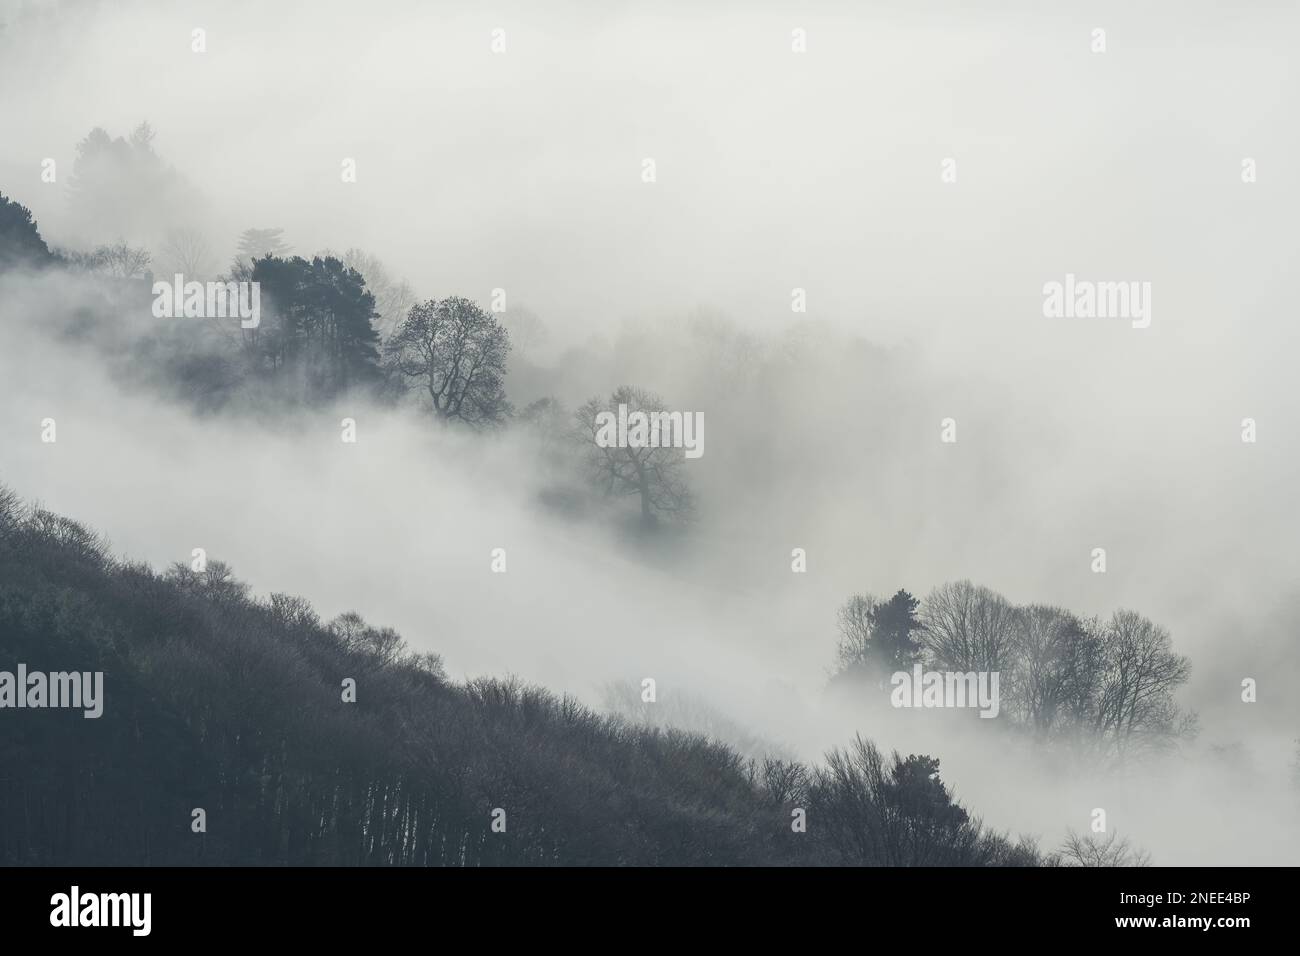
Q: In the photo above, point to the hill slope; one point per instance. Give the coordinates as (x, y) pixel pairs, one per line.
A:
(217, 701)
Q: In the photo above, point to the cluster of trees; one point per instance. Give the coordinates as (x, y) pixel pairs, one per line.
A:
(323, 333)
(318, 329)
(220, 701)
(1106, 684)
(121, 186)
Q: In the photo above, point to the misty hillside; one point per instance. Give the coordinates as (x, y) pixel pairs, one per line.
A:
(976, 398)
(221, 702)
(155, 405)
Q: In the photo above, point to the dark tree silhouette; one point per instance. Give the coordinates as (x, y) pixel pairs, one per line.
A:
(317, 321)
(876, 638)
(21, 244)
(452, 354)
(969, 628)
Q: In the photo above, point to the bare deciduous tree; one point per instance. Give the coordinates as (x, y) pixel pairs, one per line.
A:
(969, 628)
(854, 621)
(1059, 672)
(1093, 851)
(187, 252)
(454, 353)
(393, 297)
(653, 474)
(116, 260)
(527, 331)
(1136, 707)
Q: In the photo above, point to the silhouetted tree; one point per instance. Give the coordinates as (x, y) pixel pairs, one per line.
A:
(876, 638)
(393, 297)
(1094, 850)
(452, 354)
(117, 260)
(21, 244)
(653, 475)
(1136, 708)
(317, 322)
(969, 628)
(1059, 671)
(865, 811)
(186, 251)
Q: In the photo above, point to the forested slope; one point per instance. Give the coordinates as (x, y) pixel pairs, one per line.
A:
(217, 701)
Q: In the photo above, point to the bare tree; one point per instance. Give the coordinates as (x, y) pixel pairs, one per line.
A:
(116, 260)
(382, 644)
(11, 510)
(654, 474)
(1059, 670)
(855, 620)
(188, 252)
(970, 628)
(393, 297)
(454, 353)
(1092, 851)
(1136, 707)
(527, 331)
(124, 262)
(876, 636)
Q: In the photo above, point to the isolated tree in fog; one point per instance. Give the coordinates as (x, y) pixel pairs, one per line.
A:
(117, 260)
(186, 251)
(526, 330)
(256, 244)
(259, 243)
(550, 426)
(654, 475)
(120, 260)
(876, 638)
(20, 240)
(453, 355)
